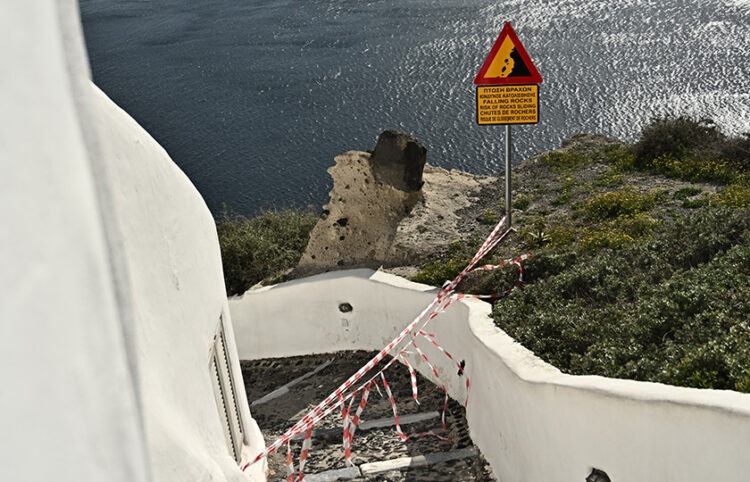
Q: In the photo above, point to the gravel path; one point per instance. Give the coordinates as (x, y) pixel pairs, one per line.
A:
(378, 444)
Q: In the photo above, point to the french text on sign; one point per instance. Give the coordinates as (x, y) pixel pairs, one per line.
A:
(507, 104)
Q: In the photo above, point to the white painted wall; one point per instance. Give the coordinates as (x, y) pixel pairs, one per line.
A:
(111, 286)
(177, 287)
(532, 422)
(68, 407)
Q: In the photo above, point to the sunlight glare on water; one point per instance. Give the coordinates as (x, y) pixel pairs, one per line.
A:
(254, 99)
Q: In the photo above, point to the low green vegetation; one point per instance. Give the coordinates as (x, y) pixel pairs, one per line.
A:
(687, 192)
(447, 267)
(564, 161)
(736, 195)
(522, 201)
(637, 271)
(629, 278)
(674, 309)
(610, 178)
(624, 202)
(253, 249)
(685, 149)
(489, 217)
(691, 150)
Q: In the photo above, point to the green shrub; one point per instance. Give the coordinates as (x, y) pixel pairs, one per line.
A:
(437, 272)
(672, 309)
(735, 195)
(447, 267)
(610, 178)
(695, 203)
(637, 225)
(522, 201)
(563, 198)
(686, 192)
(686, 149)
(565, 161)
(562, 236)
(626, 201)
(693, 169)
(735, 151)
(254, 248)
(488, 217)
(620, 156)
(675, 137)
(598, 238)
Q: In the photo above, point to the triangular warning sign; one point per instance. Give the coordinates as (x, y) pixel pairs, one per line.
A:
(508, 62)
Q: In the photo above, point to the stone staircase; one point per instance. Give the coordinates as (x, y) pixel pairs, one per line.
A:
(282, 390)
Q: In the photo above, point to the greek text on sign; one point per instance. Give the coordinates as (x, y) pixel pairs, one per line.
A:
(507, 104)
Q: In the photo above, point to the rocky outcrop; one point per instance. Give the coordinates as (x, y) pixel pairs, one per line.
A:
(398, 160)
(388, 208)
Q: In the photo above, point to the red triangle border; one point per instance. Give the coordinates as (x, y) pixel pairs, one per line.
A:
(534, 78)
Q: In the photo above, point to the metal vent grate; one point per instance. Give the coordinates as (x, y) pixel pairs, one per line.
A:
(225, 393)
(221, 404)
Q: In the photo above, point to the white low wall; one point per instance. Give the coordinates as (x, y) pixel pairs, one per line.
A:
(532, 422)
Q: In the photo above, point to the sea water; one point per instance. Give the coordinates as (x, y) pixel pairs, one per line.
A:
(253, 99)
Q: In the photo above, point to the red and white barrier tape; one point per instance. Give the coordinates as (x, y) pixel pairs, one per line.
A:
(413, 377)
(430, 337)
(346, 428)
(289, 464)
(353, 427)
(340, 396)
(306, 443)
(400, 432)
(437, 377)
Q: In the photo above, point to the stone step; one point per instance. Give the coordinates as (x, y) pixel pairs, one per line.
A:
(376, 423)
(284, 389)
(417, 461)
(347, 473)
(376, 453)
(374, 468)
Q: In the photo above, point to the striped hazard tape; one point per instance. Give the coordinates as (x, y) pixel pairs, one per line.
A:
(289, 464)
(413, 376)
(353, 426)
(306, 443)
(343, 394)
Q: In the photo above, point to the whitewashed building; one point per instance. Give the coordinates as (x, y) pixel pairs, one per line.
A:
(117, 348)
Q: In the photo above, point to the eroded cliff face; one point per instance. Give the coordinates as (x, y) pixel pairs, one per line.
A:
(388, 208)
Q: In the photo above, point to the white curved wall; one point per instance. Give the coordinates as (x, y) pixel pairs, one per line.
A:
(111, 286)
(531, 422)
(173, 262)
(68, 407)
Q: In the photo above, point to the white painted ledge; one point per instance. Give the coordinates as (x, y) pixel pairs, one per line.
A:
(531, 422)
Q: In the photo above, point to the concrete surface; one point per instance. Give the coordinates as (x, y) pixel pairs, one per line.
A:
(396, 464)
(531, 422)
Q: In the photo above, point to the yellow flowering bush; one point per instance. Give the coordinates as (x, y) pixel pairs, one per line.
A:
(626, 201)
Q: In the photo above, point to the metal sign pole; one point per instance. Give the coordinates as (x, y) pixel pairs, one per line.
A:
(507, 97)
(507, 174)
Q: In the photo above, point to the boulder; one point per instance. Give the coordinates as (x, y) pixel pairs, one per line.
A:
(398, 160)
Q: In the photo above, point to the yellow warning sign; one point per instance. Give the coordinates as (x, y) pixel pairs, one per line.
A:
(504, 64)
(507, 104)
